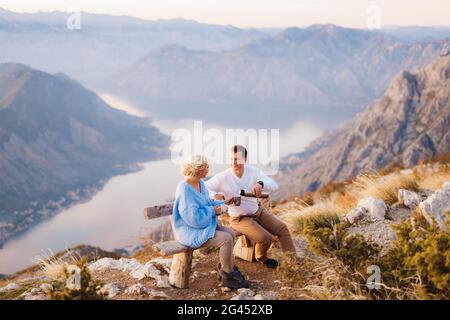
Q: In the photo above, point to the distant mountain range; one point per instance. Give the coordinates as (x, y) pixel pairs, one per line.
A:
(415, 33)
(57, 137)
(170, 67)
(410, 122)
(104, 44)
(319, 66)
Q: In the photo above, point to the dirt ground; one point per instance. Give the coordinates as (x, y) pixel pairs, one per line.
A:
(203, 282)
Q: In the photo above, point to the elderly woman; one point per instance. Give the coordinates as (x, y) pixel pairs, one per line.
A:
(195, 225)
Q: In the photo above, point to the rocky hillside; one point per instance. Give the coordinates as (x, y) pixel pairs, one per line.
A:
(58, 140)
(322, 65)
(409, 123)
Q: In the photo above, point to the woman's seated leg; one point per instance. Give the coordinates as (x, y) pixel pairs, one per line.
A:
(225, 241)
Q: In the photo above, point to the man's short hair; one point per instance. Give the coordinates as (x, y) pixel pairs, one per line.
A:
(238, 148)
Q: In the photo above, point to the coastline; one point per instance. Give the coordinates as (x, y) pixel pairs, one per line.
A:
(40, 212)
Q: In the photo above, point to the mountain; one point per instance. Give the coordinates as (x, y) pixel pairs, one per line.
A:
(56, 138)
(409, 123)
(414, 33)
(322, 65)
(104, 43)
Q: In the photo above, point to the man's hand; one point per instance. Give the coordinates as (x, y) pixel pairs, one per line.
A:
(229, 201)
(257, 189)
(219, 196)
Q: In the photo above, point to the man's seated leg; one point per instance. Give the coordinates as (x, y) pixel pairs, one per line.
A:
(276, 227)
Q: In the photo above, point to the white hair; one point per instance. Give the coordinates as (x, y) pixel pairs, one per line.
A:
(193, 164)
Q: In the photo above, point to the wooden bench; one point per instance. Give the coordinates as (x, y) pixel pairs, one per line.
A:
(182, 256)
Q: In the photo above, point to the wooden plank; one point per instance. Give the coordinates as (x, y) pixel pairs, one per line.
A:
(158, 211)
(169, 248)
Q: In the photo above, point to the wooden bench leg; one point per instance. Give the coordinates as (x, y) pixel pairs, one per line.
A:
(244, 249)
(180, 269)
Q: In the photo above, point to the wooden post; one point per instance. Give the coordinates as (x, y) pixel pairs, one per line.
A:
(180, 269)
(244, 249)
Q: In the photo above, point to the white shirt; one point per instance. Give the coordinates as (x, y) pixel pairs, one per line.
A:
(227, 183)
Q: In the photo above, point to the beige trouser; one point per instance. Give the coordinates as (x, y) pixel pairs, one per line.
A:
(263, 228)
(223, 239)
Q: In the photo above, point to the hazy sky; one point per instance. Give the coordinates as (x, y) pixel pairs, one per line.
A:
(257, 13)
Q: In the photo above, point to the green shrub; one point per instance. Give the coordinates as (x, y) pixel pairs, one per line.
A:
(312, 277)
(334, 241)
(419, 259)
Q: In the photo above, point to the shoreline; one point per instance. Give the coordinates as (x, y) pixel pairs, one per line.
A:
(50, 208)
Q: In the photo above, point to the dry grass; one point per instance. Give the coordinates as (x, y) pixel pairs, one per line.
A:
(434, 180)
(317, 216)
(55, 268)
(346, 201)
(15, 294)
(312, 278)
(385, 187)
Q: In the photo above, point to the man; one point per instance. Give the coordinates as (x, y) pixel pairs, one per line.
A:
(250, 218)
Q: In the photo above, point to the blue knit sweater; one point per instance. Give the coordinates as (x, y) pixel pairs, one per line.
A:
(194, 220)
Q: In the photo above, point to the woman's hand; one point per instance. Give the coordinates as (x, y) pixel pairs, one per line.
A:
(219, 196)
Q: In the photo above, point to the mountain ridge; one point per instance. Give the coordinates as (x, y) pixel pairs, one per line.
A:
(409, 123)
(347, 67)
(57, 137)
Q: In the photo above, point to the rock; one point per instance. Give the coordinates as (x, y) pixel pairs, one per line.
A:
(35, 291)
(163, 282)
(395, 206)
(225, 289)
(375, 207)
(446, 185)
(425, 193)
(46, 287)
(10, 286)
(73, 281)
(136, 289)
(267, 295)
(149, 269)
(409, 198)
(30, 296)
(122, 264)
(356, 215)
(134, 269)
(110, 289)
(165, 263)
(436, 206)
(139, 289)
(244, 294)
